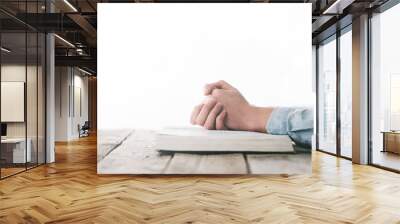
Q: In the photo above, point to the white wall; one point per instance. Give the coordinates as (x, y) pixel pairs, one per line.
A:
(15, 72)
(80, 83)
(68, 81)
(152, 74)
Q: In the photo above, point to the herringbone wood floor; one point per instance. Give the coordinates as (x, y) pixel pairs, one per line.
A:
(70, 191)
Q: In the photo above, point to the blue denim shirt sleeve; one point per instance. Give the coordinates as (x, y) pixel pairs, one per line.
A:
(296, 122)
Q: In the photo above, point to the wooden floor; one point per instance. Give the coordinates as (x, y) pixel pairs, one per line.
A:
(70, 191)
(10, 171)
(387, 159)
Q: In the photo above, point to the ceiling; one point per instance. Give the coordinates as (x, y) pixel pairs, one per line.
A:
(76, 22)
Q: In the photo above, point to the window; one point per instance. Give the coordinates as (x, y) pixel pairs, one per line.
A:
(346, 92)
(385, 89)
(334, 106)
(394, 101)
(327, 95)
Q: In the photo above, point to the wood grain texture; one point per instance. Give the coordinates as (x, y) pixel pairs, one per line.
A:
(110, 140)
(278, 164)
(138, 154)
(186, 163)
(135, 155)
(70, 191)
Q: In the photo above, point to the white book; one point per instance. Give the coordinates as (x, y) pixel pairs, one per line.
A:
(195, 139)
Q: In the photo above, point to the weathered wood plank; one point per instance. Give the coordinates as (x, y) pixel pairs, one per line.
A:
(107, 140)
(185, 163)
(136, 155)
(279, 163)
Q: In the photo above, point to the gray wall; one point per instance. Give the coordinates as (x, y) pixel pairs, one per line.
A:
(71, 102)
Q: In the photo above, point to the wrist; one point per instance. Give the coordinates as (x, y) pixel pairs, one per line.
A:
(257, 118)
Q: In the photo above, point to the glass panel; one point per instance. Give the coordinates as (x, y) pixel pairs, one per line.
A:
(23, 90)
(346, 94)
(31, 88)
(31, 100)
(385, 86)
(41, 99)
(13, 88)
(327, 96)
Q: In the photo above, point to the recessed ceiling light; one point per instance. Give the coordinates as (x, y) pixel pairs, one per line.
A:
(65, 41)
(70, 5)
(5, 50)
(84, 71)
(338, 6)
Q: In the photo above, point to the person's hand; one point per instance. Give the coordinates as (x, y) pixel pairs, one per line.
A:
(209, 114)
(240, 115)
(226, 108)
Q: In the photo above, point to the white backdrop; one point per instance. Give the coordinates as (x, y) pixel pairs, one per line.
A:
(154, 59)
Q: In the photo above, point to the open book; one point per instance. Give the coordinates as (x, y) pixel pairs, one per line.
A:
(212, 141)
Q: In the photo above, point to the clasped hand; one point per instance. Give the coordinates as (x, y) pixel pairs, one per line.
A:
(225, 108)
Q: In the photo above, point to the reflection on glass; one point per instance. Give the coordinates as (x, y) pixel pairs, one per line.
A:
(385, 114)
(31, 101)
(327, 96)
(346, 94)
(395, 102)
(14, 150)
(41, 98)
(22, 91)
(32, 85)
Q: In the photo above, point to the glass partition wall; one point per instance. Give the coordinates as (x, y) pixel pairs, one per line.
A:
(22, 77)
(13, 89)
(334, 94)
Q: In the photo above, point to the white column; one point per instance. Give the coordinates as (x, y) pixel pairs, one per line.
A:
(50, 99)
(50, 92)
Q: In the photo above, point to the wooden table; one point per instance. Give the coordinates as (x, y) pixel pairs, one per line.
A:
(391, 141)
(133, 152)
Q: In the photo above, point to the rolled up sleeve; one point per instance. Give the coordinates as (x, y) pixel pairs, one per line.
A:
(297, 123)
